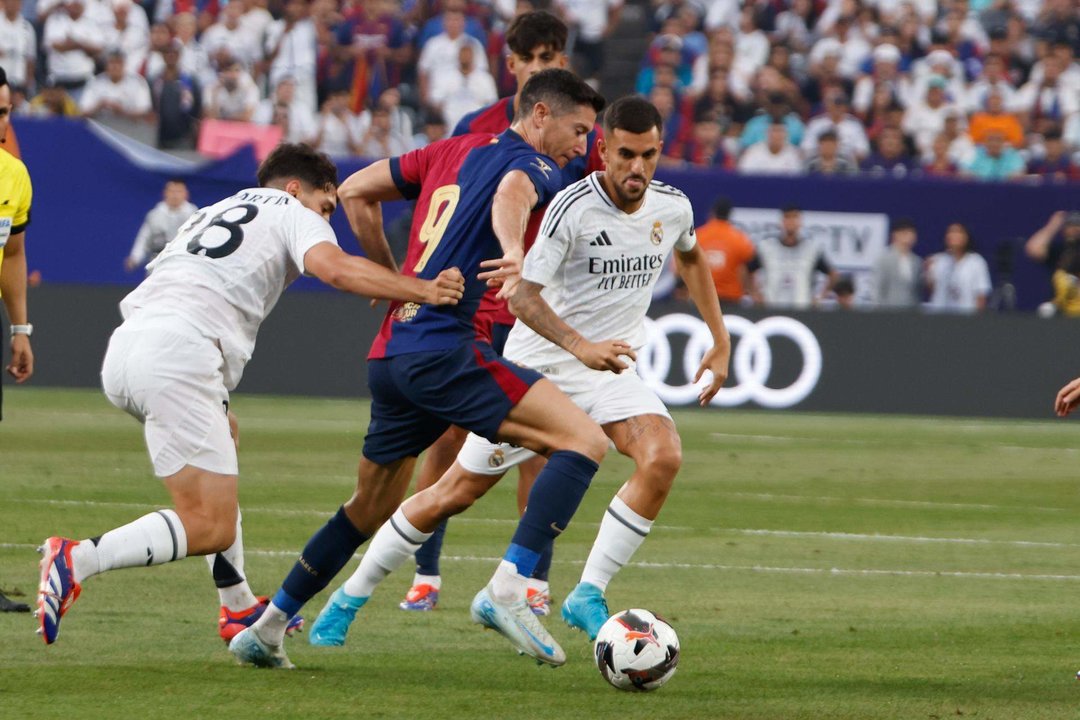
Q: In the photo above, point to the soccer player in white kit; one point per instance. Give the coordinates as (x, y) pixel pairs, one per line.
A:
(189, 329)
(590, 275)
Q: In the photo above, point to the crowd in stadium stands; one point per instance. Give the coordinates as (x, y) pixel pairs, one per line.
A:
(987, 89)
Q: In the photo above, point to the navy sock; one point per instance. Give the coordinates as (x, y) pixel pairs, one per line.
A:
(553, 500)
(427, 555)
(325, 554)
(225, 575)
(543, 565)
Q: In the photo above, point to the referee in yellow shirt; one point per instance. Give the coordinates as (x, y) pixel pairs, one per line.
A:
(15, 194)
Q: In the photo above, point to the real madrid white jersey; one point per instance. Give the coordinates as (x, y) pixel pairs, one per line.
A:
(226, 268)
(598, 264)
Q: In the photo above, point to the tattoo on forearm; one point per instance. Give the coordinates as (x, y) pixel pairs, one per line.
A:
(531, 309)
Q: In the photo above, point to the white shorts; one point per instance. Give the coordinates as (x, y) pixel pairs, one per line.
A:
(169, 378)
(608, 398)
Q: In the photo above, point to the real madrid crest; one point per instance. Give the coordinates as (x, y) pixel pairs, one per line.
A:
(497, 458)
(657, 236)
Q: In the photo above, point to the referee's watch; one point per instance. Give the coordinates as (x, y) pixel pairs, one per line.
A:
(26, 330)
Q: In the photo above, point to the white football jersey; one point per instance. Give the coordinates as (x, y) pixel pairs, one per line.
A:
(226, 268)
(598, 265)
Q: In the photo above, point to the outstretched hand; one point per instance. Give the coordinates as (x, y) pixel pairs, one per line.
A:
(1067, 398)
(504, 272)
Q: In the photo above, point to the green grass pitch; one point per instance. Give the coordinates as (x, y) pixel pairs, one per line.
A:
(824, 566)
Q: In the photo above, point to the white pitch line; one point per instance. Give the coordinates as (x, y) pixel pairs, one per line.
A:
(899, 538)
(880, 502)
(870, 572)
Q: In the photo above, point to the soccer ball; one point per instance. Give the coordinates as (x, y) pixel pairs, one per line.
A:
(636, 650)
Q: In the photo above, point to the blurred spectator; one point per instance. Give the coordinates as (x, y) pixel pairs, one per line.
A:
(664, 99)
(233, 96)
(290, 50)
(376, 44)
(1049, 99)
(789, 265)
(995, 160)
(727, 250)
(1054, 164)
(828, 160)
(160, 224)
(297, 123)
(437, 23)
(160, 39)
(854, 50)
(773, 156)
(53, 101)
(777, 109)
(824, 73)
(591, 22)
(995, 119)
(958, 278)
(433, 129)
(380, 140)
(177, 101)
(193, 58)
(337, 130)
(227, 37)
(132, 31)
(852, 136)
(1060, 236)
(885, 81)
(792, 28)
(895, 274)
(18, 47)
(751, 44)
(442, 51)
(925, 119)
(73, 41)
(668, 63)
(716, 98)
(993, 79)
(116, 93)
(255, 21)
(705, 145)
(844, 292)
(939, 162)
(462, 88)
(889, 159)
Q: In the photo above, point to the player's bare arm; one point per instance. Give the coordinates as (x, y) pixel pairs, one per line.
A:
(361, 276)
(361, 196)
(694, 270)
(1067, 398)
(514, 200)
(13, 290)
(529, 307)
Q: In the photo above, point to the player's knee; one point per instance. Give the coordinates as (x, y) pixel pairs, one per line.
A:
(591, 442)
(663, 463)
(458, 496)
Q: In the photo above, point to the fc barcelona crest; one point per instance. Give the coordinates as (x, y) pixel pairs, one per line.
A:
(657, 236)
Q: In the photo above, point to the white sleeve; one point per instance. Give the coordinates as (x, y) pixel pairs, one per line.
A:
(687, 236)
(552, 246)
(89, 99)
(982, 277)
(308, 230)
(140, 96)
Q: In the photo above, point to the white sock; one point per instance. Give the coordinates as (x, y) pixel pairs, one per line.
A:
(153, 539)
(238, 596)
(507, 584)
(621, 533)
(434, 581)
(271, 625)
(395, 542)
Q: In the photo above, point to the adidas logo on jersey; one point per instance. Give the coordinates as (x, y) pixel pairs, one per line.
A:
(601, 240)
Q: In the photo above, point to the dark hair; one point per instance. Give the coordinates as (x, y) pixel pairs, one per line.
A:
(300, 161)
(176, 179)
(828, 135)
(790, 208)
(536, 29)
(844, 286)
(721, 208)
(902, 223)
(560, 90)
(3, 77)
(633, 114)
(969, 246)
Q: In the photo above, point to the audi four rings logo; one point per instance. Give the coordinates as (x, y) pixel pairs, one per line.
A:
(750, 364)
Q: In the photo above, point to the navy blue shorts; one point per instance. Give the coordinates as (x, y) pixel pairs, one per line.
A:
(417, 396)
(499, 333)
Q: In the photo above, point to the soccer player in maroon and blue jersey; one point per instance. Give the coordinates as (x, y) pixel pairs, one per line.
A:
(537, 41)
(427, 371)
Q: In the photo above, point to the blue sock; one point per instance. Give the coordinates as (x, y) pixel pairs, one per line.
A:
(427, 555)
(325, 554)
(543, 565)
(553, 500)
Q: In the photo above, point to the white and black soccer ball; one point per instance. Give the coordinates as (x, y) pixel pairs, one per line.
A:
(636, 650)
